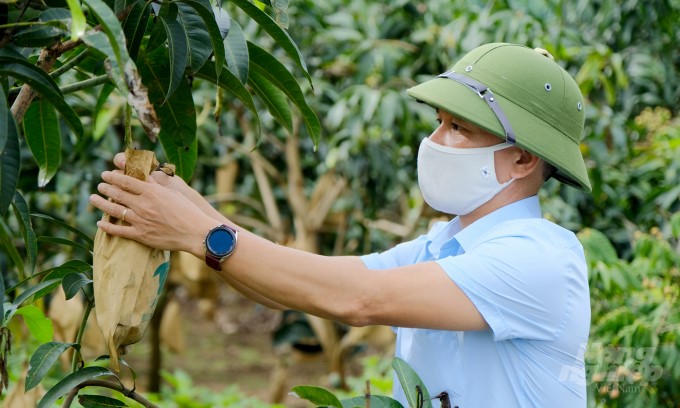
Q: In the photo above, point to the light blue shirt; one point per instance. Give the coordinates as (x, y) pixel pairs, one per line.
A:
(528, 278)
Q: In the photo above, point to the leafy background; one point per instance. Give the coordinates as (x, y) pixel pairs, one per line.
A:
(334, 169)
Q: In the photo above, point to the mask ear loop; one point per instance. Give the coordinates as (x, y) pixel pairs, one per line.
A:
(485, 93)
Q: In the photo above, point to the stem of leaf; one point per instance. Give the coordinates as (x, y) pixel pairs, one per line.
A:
(69, 64)
(68, 400)
(88, 83)
(128, 126)
(79, 336)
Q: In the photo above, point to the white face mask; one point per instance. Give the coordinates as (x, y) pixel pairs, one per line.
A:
(458, 181)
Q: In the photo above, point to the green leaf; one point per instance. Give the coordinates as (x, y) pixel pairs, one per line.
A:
(177, 116)
(70, 382)
(10, 163)
(102, 118)
(42, 360)
(675, 225)
(88, 241)
(205, 11)
(23, 215)
(58, 272)
(64, 241)
(41, 129)
(114, 32)
(2, 301)
(177, 46)
(73, 282)
(39, 325)
(198, 38)
(6, 239)
(99, 401)
(409, 380)
(280, 35)
(78, 23)
(4, 113)
(236, 52)
(44, 85)
(230, 83)
(269, 67)
(376, 401)
(135, 25)
(37, 290)
(273, 98)
(317, 395)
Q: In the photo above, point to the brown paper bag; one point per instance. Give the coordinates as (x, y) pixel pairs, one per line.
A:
(128, 276)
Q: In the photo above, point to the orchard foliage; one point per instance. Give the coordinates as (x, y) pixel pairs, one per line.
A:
(211, 82)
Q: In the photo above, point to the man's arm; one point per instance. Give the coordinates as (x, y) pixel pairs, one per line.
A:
(337, 288)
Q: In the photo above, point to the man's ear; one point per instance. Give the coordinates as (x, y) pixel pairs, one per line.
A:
(524, 164)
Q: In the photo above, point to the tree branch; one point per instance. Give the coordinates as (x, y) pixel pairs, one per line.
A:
(68, 400)
(48, 56)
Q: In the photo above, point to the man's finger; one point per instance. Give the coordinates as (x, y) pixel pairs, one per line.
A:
(127, 183)
(119, 160)
(111, 208)
(125, 231)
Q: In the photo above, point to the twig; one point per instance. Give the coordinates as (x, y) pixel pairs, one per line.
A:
(48, 56)
(68, 400)
(88, 83)
(79, 336)
(69, 64)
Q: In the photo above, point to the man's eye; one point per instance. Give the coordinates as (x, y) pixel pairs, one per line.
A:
(439, 121)
(455, 126)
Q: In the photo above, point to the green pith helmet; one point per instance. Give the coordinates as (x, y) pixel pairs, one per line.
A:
(520, 95)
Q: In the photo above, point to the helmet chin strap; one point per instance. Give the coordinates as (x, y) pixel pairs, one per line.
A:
(485, 93)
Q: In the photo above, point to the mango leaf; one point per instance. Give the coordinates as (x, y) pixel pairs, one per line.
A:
(64, 241)
(135, 25)
(597, 246)
(37, 290)
(198, 38)
(177, 116)
(42, 360)
(273, 98)
(178, 47)
(269, 67)
(205, 11)
(236, 52)
(376, 401)
(42, 83)
(230, 83)
(223, 21)
(409, 380)
(99, 401)
(2, 301)
(21, 212)
(39, 325)
(89, 243)
(114, 32)
(280, 35)
(103, 117)
(41, 129)
(4, 112)
(317, 395)
(71, 381)
(6, 239)
(58, 272)
(10, 163)
(78, 23)
(73, 282)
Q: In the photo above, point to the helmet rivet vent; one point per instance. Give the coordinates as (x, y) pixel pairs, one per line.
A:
(579, 106)
(468, 68)
(491, 99)
(548, 87)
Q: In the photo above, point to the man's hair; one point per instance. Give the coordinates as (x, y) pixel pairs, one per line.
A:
(548, 170)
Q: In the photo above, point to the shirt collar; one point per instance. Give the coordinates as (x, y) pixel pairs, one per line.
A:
(526, 208)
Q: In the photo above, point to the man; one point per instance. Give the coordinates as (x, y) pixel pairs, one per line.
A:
(491, 307)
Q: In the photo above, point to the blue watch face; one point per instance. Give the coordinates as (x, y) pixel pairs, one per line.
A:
(220, 242)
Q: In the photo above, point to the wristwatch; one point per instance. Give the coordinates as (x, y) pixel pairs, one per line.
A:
(220, 243)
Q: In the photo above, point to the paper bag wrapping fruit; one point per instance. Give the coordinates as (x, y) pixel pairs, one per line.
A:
(128, 276)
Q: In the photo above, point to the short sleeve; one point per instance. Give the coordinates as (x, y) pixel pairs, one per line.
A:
(522, 286)
(403, 254)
